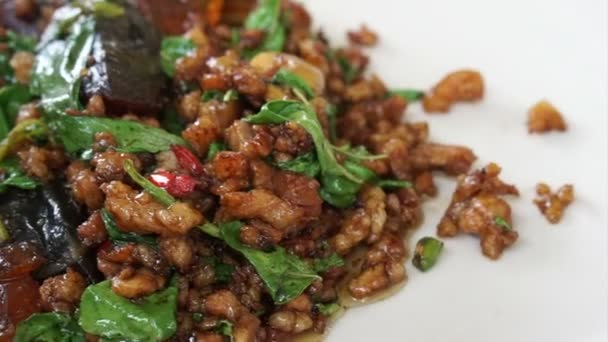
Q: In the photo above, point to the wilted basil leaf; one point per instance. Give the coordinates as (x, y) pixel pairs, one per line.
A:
(49, 327)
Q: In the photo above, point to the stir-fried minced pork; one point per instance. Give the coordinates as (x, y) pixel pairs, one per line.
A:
(138, 212)
(476, 208)
(553, 204)
(458, 86)
(228, 177)
(543, 117)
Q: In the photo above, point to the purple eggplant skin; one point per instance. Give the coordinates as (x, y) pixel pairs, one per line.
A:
(48, 217)
(126, 70)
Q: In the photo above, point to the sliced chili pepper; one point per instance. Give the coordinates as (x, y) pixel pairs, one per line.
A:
(176, 185)
(188, 160)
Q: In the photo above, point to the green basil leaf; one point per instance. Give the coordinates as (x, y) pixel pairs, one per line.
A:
(217, 95)
(77, 134)
(267, 17)
(288, 78)
(223, 272)
(49, 327)
(285, 275)
(393, 184)
(215, 148)
(172, 122)
(58, 66)
(502, 223)
(325, 264)
(20, 42)
(116, 234)
(348, 70)
(332, 118)
(225, 328)
(27, 130)
(106, 314)
(172, 49)
(161, 195)
(12, 97)
(14, 176)
(410, 95)
(328, 309)
(306, 164)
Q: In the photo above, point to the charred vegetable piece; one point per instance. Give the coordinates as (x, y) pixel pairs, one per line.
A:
(48, 217)
(427, 252)
(126, 72)
(115, 318)
(49, 327)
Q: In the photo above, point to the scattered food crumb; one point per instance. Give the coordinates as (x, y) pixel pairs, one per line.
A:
(553, 205)
(543, 117)
(364, 36)
(476, 208)
(458, 86)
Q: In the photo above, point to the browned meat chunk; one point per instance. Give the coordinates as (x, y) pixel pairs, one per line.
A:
(231, 170)
(213, 118)
(22, 63)
(92, 231)
(453, 160)
(424, 184)
(109, 165)
(543, 117)
(178, 251)
(62, 292)
(253, 142)
(458, 86)
(263, 205)
(84, 185)
(138, 212)
(363, 36)
(42, 162)
(224, 304)
(553, 205)
(476, 208)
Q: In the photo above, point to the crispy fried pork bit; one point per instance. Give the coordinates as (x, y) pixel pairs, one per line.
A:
(553, 205)
(363, 36)
(138, 212)
(543, 117)
(62, 292)
(476, 208)
(458, 86)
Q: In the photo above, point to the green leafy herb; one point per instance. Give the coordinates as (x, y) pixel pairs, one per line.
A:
(358, 153)
(215, 148)
(100, 8)
(409, 95)
(172, 49)
(348, 70)
(161, 195)
(20, 42)
(197, 317)
(325, 264)
(328, 309)
(13, 42)
(4, 234)
(290, 79)
(228, 96)
(116, 234)
(27, 130)
(49, 327)
(14, 176)
(106, 314)
(306, 164)
(77, 134)
(58, 65)
(172, 122)
(340, 184)
(502, 223)
(225, 328)
(267, 17)
(235, 37)
(223, 271)
(286, 276)
(12, 97)
(332, 118)
(393, 184)
(427, 252)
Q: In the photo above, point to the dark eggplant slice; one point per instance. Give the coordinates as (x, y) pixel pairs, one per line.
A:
(126, 70)
(48, 217)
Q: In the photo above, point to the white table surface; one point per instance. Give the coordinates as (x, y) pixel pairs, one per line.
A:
(552, 284)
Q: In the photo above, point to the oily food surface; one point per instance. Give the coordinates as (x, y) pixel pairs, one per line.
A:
(217, 178)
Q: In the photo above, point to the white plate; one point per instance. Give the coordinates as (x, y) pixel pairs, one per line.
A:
(552, 285)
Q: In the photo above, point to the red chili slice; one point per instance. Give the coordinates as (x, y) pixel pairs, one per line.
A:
(188, 160)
